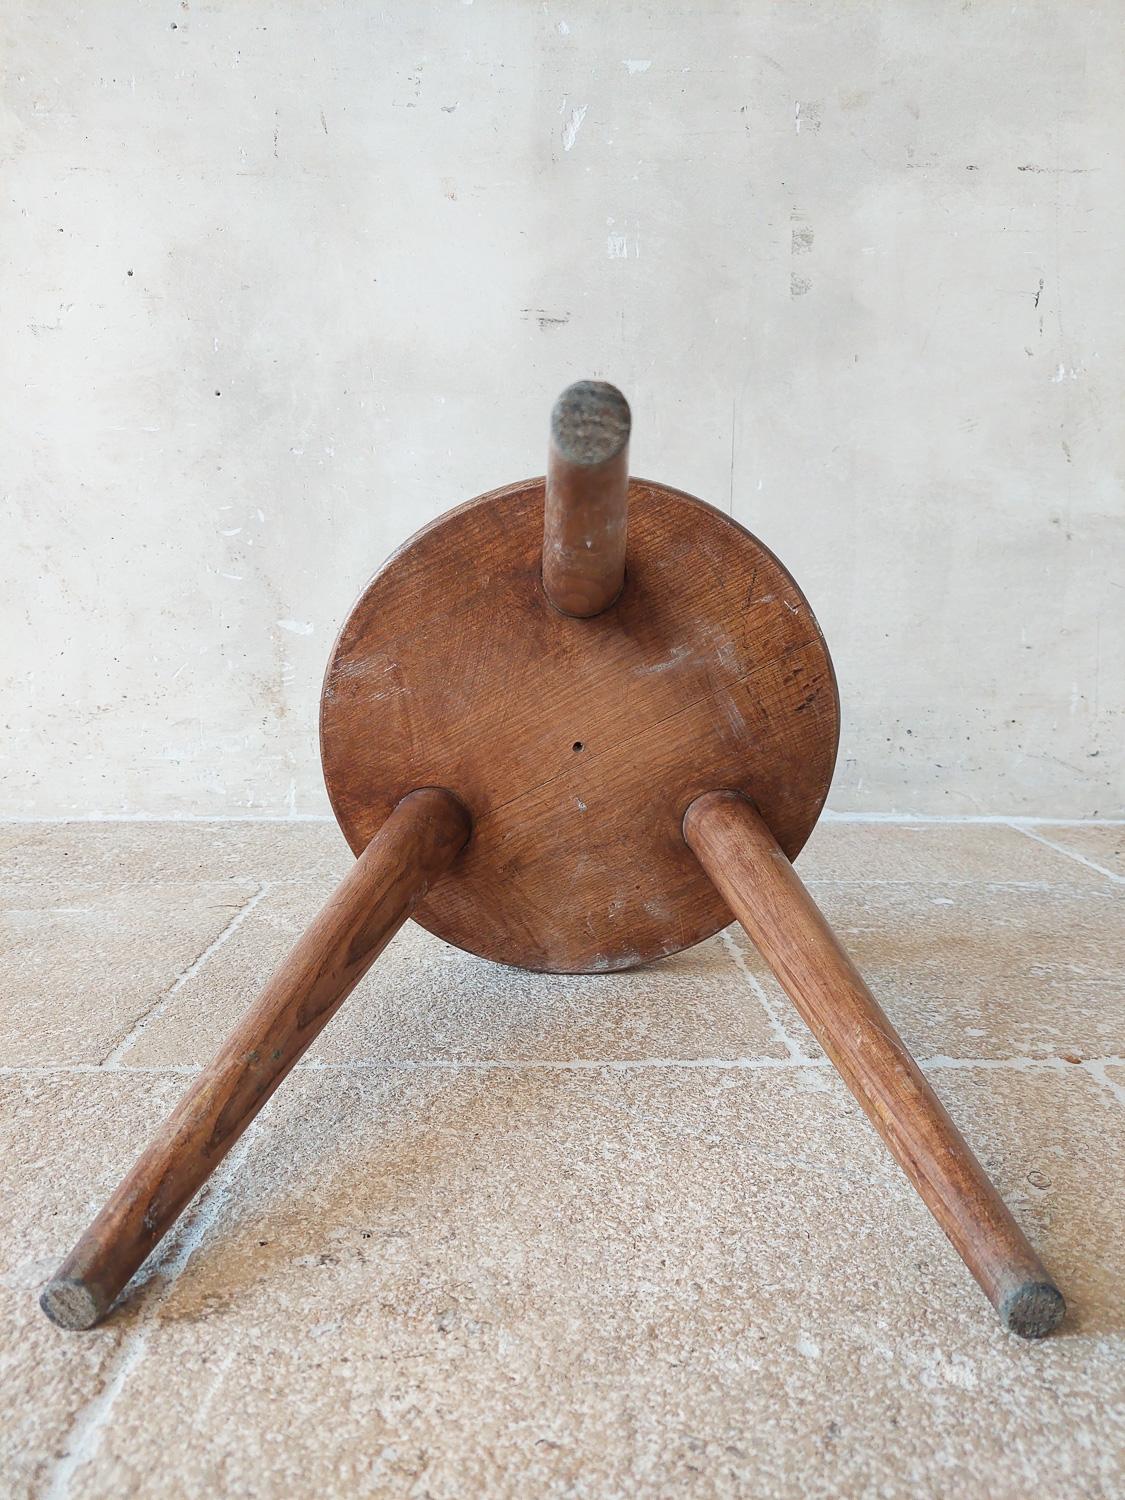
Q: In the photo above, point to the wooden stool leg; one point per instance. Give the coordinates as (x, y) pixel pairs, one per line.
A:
(760, 886)
(585, 513)
(418, 842)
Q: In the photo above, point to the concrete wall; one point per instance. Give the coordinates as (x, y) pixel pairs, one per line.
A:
(282, 282)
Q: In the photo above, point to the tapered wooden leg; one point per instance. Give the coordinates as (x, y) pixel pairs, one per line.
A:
(760, 886)
(418, 842)
(585, 520)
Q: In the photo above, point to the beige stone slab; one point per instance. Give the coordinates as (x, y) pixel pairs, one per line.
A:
(121, 853)
(1101, 845)
(978, 972)
(929, 852)
(649, 1282)
(424, 999)
(80, 965)
(12, 835)
(64, 1141)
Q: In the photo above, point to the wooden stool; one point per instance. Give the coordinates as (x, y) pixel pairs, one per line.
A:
(573, 725)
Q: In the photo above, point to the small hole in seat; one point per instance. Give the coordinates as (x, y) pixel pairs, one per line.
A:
(578, 745)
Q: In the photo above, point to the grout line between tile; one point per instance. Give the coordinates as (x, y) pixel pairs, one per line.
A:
(567, 1064)
(795, 1061)
(170, 817)
(829, 815)
(758, 990)
(140, 1026)
(82, 1440)
(315, 877)
(927, 880)
(1090, 864)
(85, 1433)
(1012, 820)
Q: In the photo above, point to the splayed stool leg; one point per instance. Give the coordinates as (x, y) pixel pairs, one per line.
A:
(416, 845)
(739, 853)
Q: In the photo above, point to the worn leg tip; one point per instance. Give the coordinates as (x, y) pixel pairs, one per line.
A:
(590, 422)
(1033, 1310)
(70, 1305)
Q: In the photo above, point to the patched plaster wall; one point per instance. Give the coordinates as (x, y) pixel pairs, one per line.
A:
(283, 282)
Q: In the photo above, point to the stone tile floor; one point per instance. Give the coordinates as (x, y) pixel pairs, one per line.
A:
(521, 1235)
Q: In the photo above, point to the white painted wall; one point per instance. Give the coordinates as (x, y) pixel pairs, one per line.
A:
(858, 267)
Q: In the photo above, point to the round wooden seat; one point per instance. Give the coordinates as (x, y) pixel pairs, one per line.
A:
(578, 744)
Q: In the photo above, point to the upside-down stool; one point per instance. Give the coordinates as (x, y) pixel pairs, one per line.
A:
(573, 725)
